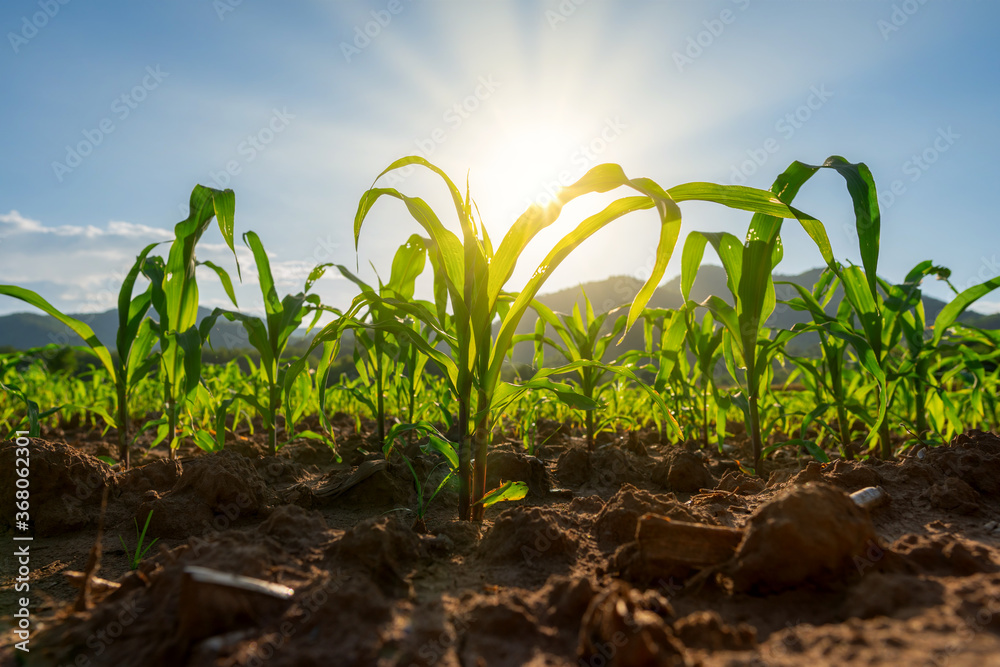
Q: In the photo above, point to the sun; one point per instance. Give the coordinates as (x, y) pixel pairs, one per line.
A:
(523, 165)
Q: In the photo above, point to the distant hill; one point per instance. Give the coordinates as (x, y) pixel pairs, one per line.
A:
(26, 330)
(711, 279)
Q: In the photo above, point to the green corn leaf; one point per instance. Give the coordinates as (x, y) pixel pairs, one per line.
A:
(691, 256)
(724, 313)
(224, 204)
(407, 264)
(946, 318)
(442, 446)
(449, 252)
(461, 205)
(204, 441)
(861, 186)
(272, 304)
(141, 360)
(78, 327)
(854, 281)
(179, 286)
(567, 394)
(131, 311)
(562, 249)
(506, 492)
(190, 344)
(730, 251)
(318, 271)
(734, 196)
(227, 283)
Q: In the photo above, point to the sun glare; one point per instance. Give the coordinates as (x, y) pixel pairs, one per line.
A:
(527, 164)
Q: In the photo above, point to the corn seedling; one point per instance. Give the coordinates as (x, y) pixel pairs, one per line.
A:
(473, 276)
(136, 556)
(269, 336)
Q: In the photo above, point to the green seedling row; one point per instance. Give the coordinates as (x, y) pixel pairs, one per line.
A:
(436, 376)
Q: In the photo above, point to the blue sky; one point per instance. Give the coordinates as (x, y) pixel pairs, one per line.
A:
(115, 110)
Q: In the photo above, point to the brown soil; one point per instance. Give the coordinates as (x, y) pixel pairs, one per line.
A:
(551, 580)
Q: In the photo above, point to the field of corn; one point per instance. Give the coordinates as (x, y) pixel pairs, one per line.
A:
(392, 489)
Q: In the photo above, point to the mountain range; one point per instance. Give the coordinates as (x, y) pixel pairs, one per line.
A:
(31, 329)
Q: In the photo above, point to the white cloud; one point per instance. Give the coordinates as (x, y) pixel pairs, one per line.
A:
(80, 268)
(987, 307)
(14, 224)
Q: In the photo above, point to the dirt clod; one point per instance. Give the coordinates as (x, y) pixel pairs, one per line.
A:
(529, 535)
(890, 594)
(806, 536)
(159, 476)
(616, 523)
(953, 494)
(939, 554)
(706, 630)
(294, 528)
(512, 466)
(212, 492)
(684, 472)
(573, 467)
(66, 486)
(384, 548)
(738, 482)
(625, 627)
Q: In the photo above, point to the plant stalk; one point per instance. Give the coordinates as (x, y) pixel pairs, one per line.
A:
(755, 435)
(464, 454)
(883, 435)
(482, 449)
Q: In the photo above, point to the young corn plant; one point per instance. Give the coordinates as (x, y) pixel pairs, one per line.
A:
(663, 341)
(136, 556)
(473, 276)
(704, 343)
(376, 354)
(174, 296)
(134, 343)
(269, 337)
(439, 444)
(749, 266)
(827, 374)
(586, 346)
(923, 351)
(582, 339)
(32, 413)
